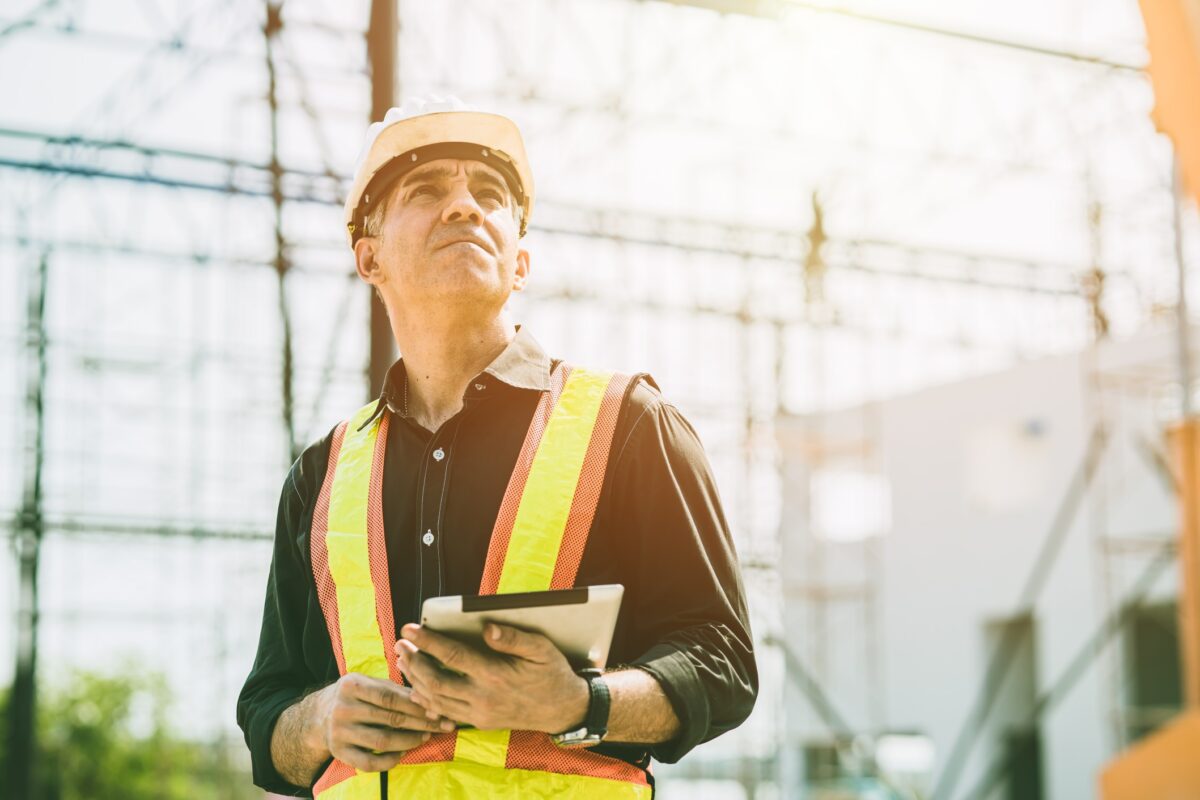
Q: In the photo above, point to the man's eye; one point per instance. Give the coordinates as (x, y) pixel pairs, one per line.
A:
(491, 193)
(422, 189)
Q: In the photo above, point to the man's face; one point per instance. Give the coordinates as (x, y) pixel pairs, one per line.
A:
(449, 238)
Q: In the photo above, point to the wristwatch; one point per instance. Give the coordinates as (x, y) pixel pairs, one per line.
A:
(595, 723)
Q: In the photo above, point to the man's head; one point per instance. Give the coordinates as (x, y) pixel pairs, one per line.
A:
(445, 235)
(438, 190)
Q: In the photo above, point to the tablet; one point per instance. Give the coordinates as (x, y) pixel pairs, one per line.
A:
(579, 621)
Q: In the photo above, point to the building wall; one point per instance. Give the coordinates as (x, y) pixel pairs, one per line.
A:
(977, 471)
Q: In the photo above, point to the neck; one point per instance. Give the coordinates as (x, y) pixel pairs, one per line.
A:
(440, 360)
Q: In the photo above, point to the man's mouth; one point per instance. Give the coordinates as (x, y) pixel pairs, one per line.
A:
(467, 240)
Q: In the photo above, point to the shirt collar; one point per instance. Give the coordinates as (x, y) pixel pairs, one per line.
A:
(523, 364)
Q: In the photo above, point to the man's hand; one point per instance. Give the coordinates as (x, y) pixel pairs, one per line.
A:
(370, 723)
(524, 683)
(366, 722)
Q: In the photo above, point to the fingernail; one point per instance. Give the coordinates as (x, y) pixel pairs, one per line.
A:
(425, 738)
(495, 632)
(431, 715)
(447, 725)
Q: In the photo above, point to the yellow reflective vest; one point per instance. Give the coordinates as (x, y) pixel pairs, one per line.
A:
(536, 544)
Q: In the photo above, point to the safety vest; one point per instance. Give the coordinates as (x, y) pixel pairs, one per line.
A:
(536, 544)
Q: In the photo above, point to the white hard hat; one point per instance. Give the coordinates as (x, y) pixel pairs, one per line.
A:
(425, 129)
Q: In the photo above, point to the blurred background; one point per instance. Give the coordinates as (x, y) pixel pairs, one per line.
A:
(913, 269)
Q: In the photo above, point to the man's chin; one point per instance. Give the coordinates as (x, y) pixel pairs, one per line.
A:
(465, 294)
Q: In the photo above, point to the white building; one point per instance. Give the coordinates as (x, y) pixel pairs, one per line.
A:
(913, 527)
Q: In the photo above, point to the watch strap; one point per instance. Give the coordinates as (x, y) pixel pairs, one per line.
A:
(599, 703)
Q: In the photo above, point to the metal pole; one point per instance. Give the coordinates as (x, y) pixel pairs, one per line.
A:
(22, 749)
(382, 35)
(271, 29)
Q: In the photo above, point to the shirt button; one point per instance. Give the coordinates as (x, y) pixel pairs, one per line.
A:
(439, 454)
(427, 538)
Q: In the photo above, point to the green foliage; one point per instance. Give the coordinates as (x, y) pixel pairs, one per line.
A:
(102, 737)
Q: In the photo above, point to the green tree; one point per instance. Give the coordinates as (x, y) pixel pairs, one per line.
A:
(108, 736)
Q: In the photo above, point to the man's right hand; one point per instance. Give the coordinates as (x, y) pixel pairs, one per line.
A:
(370, 723)
(365, 722)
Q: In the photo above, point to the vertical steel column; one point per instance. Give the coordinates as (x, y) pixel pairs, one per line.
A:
(22, 743)
(271, 29)
(382, 36)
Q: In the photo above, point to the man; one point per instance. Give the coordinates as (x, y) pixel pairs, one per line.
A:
(486, 467)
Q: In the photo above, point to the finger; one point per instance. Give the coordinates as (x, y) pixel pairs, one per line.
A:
(451, 711)
(432, 681)
(451, 652)
(378, 739)
(516, 642)
(422, 697)
(413, 719)
(382, 694)
(406, 651)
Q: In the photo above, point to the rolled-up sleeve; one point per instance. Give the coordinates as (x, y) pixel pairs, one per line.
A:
(688, 605)
(279, 676)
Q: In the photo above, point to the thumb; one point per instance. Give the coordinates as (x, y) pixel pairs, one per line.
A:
(516, 642)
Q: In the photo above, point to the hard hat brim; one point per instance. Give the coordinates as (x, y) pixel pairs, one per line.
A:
(496, 135)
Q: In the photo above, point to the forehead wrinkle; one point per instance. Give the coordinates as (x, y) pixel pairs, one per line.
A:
(429, 172)
(476, 171)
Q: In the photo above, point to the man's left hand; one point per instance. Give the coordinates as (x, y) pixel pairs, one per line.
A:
(523, 682)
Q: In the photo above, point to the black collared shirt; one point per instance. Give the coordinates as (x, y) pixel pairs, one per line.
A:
(658, 530)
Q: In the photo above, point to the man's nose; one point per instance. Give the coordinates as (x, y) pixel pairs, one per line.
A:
(461, 205)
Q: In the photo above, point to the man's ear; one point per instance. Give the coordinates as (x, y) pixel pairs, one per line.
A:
(364, 260)
(521, 276)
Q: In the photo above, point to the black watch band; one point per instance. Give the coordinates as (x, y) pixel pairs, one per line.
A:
(599, 703)
(595, 722)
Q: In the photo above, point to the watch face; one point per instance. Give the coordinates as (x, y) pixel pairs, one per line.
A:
(579, 738)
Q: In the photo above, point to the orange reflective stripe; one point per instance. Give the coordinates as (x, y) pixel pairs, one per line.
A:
(535, 750)
(578, 490)
(337, 772)
(587, 488)
(502, 530)
(318, 556)
(550, 488)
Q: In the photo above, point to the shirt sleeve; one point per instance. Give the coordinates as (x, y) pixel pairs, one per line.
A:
(691, 618)
(279, 677)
